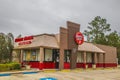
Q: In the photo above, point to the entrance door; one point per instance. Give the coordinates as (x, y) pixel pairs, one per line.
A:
(56, 58)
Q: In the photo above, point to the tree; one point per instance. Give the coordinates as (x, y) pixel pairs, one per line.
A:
(113, 39)
(118, 54)
(19, 36)
(6, 47)
(2, 46)
(97, 29)
(10, 43)
(96, 33)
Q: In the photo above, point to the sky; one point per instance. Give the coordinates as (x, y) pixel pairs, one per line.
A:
(32, 17)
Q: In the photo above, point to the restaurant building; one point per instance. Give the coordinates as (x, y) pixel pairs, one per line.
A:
(66, 50)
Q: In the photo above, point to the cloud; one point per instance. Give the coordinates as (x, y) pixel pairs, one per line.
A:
(29, 17)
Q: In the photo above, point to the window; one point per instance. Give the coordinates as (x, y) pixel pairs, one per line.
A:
(79, 57)
(48, 55)
(67, 56)
(34, 55)
(31, 55)
(55, 55)
(24, 56)
(89, 57)
(28, 55)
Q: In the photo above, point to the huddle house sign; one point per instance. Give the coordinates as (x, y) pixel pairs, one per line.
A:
(79, 38)
(24, 40)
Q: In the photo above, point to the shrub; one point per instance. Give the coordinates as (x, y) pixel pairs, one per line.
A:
(16, 65)
(10, 66)
(4, 67)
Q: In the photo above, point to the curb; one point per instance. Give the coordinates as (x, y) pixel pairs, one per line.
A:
(19, 72)
(51, 71)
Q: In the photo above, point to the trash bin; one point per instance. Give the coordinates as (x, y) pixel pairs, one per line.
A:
(86, 66)
(49, 78)
(27, 67)
(94, 66)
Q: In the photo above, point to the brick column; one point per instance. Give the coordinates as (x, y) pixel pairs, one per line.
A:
(61, 63)
(67, 43)
(103, 59)
(95, 60)
(63, 46)
(84, 59)
(41, 66)
(72, 29)
(21, 56)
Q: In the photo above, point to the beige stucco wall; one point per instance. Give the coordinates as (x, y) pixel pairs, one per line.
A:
(15, 57)
(110, 53)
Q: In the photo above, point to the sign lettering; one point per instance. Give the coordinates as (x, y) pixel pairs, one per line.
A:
(24, 40)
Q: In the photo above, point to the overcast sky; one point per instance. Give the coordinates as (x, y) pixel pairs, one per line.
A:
(31, 17)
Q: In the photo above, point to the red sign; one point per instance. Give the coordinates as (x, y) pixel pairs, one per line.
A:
(28, 38)
(18, 39)
(24, 40)
(79, 38)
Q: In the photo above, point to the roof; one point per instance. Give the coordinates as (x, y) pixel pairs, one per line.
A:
(89, 47)
(52, 41)
(44, 40)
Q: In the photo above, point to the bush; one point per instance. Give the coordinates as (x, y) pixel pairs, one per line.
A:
(10, 66)
(16, 66)
(4, 67)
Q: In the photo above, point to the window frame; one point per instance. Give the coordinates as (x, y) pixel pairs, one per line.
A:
(25, 52)
(46, 53)
(80, 55)
(67, 54)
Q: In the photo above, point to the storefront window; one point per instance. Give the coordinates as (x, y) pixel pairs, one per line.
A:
(30, 55)
(79, 57)
(24, 56)
(67, 56)
(55, 55)
(48, 55)
(89, 57)
(34, 55)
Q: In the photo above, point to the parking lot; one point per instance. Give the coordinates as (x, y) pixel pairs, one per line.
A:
(106, 74)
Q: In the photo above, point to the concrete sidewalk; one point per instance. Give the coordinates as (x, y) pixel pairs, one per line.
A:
(53, 70)
(78, 74)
